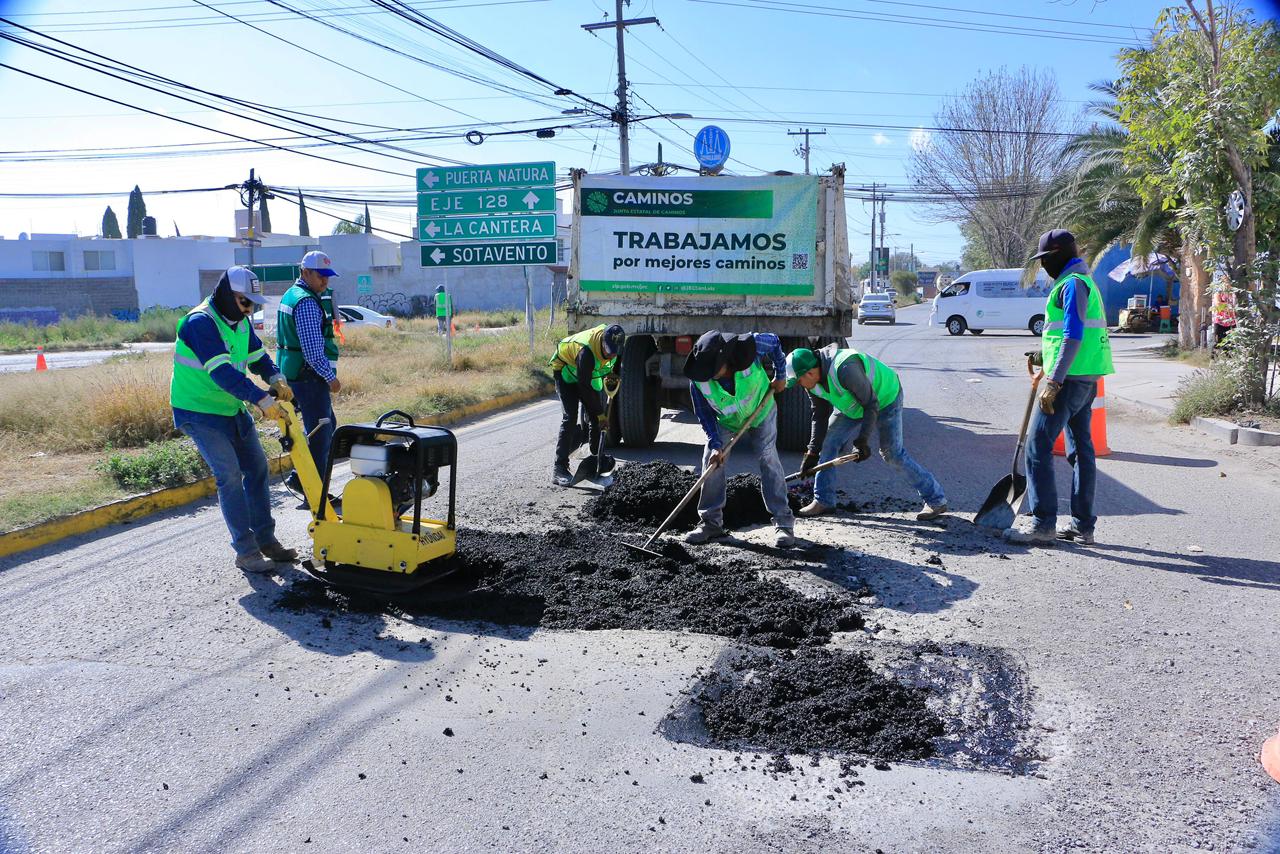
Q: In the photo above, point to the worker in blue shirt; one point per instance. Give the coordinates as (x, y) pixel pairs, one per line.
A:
(211, 395)
(729, 375)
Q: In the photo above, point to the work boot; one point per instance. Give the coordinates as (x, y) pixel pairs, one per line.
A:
(783, 538)
(815, 508)
(931, 511)
(1071, 533)
(1029, 532)
(254, 562)
(560, 476)
(278, 553)
(705, 533)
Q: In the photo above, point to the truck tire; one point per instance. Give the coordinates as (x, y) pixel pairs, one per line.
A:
(794, 419)
(1036, 326)
(637, 405)
(956, 325)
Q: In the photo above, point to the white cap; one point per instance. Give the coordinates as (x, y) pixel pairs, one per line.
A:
(318, 261)
(245, 283)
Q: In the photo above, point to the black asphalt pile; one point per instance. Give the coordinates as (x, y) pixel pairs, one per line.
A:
(817, 700)
(644, 493)
(586, 579)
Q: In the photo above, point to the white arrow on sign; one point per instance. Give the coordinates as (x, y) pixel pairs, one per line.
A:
(437, 256)
(530, 199)
(430, 179)
(432, 229)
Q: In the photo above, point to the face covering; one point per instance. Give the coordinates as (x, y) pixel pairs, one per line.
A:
(1057, 261)
(224, 300)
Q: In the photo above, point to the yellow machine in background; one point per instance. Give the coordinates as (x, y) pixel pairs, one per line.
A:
(380, 540)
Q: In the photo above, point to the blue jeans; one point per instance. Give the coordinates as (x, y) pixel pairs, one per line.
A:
(311, 396)
(1073, 410)
(839, 441)
(773, 480)
(229, 444)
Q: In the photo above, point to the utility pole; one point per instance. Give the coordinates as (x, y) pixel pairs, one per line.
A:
(621, 116)
(875, 256)
(251, 188)
(884, 234)
(804, 149)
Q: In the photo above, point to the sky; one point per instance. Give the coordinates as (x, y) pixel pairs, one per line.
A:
(871, 73)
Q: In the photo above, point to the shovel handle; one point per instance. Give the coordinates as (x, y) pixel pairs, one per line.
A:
(697, 484)
(1026, 418)
(829, 464)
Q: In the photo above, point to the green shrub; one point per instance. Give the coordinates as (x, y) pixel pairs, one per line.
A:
(159, 465)
(1205, 393)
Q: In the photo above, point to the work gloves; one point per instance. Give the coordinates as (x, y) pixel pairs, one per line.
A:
(603, 420)
(280, 389)
(270, 408)
(1048, 394)
(807, 462)
(863, 447)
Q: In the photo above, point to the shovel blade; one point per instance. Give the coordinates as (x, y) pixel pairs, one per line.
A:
(1001, 506)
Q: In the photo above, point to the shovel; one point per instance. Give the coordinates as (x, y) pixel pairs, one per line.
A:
(1001, 506)
(697, 484)
(829, 464)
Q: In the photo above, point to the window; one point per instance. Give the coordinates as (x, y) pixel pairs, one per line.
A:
(99, 259)
(955, 289)
(55, 262)
(350, 314)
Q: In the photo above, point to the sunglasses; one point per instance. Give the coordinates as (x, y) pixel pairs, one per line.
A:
(244, 302)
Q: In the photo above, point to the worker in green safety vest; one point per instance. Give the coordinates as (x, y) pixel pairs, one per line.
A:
(308, 355)
(211, 395)
(582, 364)
(728, 380)
(866, 396)
(444, 310)
(1075, 352)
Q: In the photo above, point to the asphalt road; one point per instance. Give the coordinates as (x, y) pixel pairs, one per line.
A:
(17, 362)
(152, 698)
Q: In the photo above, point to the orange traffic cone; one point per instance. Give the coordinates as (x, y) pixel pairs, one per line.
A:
(1271, 756)
(41, 364)
(453, 327)
(1098, 426)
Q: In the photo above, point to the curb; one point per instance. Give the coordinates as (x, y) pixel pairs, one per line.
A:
(140, 506)
(1258, 438)
(1216, 427)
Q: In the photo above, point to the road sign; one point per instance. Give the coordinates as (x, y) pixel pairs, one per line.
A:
(451, 229)
(364, 284)
(533, 200)
(436, 178)
(711, 147)
(490, 254)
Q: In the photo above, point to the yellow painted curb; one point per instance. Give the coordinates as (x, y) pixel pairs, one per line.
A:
(139, 506)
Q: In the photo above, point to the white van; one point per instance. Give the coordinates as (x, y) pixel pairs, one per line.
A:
(991, 299)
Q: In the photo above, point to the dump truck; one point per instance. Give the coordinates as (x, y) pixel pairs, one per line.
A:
(669, 258)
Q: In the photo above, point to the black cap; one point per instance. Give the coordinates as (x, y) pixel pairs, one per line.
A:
(1053, 240)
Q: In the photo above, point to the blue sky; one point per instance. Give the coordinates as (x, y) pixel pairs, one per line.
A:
(807, 63)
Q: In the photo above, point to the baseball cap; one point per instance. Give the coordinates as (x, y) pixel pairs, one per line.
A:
(1053, 240)
(800, 361)
(244, 282)
(318, 261)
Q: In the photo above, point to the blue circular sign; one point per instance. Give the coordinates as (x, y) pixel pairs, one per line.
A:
(711, 147)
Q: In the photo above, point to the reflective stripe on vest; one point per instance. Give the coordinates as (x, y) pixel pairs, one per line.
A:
(192, 387)
(1094, 356)
(885, 384)
(733, 409)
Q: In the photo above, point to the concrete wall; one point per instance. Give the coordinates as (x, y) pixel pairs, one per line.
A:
(71, 297)
(17, 262)
(167, 272)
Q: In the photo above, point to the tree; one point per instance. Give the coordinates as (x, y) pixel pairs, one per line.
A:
(347, 226)
(110, 225)
(975, 256)
(304, 227)
(990, 180)
(368, 228)
(904, 282)
(1205, 91)
(137, 210)
(264, 216)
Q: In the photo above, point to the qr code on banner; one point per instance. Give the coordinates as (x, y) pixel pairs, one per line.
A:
(800, 260)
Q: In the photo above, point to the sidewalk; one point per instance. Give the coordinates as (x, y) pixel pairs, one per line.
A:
(1144, 378)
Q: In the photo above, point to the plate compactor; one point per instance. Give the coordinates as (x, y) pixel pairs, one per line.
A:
(379, 542)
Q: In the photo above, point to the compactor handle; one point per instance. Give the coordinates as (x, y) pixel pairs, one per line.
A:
(406, 417)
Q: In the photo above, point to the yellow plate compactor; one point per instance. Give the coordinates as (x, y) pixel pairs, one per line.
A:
(379, 541)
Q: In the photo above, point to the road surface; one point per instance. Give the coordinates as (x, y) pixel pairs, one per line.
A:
(154, 699)
(16, 362)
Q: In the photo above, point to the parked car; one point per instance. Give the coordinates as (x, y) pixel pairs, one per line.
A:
(991, 299)
(876, 307)
(358, 315)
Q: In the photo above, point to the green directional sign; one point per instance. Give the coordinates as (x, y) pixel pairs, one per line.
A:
(490, 254)
(452, 229)
(435, 178)
(532, 200)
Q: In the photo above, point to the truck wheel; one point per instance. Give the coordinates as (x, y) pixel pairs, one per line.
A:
(1037, 325)
(956, 325)
(976, 331)
(637, 403)
(794, 419)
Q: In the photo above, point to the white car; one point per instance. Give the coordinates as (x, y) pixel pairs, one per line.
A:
(876, 307)
(358, 315)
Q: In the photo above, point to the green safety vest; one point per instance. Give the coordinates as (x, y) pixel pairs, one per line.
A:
(566, 358)
(444, 304)
(289, 345)
(733, 409)
(1094, 356)
(192, 387)
(884, 382)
